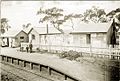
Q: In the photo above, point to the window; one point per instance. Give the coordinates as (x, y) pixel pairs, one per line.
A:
(88, 38)
(33, 36)
(22, 37)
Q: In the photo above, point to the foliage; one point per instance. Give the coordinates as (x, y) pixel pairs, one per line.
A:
(56, 17)
(113, 12)
(52, 15)
(71, 55)
(4, 25)
(71, 16)
(118, 17)
(63, 54)
(38, 49)
(95, 15)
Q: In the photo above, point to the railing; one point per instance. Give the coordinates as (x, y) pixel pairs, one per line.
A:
(49, 68)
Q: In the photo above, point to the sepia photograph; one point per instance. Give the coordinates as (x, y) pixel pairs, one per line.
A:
(59, 40)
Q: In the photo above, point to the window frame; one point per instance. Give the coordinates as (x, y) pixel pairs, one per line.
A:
(88, 38)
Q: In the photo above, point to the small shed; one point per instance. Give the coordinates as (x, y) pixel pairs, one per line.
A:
(13, 38)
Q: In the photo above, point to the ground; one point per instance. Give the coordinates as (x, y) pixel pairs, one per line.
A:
(84, 70)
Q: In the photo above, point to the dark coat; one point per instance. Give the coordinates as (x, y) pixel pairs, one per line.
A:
(30, 46)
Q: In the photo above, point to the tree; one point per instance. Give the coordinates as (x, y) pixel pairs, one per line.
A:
(112, 32)
(71, 16)
(4, 25)
(51, 15)
(56, 17)
(114, 14)
(118, 16)
(94, 15)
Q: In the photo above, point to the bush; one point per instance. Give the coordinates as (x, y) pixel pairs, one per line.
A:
(37, 49)
(80, 53)
(63, 54)
(71, 55)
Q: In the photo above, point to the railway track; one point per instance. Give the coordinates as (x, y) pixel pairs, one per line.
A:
(11, 72)
(5, 75)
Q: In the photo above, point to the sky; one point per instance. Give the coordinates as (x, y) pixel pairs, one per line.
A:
(23, 12)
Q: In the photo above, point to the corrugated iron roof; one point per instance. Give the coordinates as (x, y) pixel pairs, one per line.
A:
(91, 27)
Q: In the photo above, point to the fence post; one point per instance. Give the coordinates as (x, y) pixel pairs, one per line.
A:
(49, 70)
(24, 63)
(40, 67)
(7, 58)
(2, 58)
(18, 61)
(65, 77)
(12, 60)
(31, 65)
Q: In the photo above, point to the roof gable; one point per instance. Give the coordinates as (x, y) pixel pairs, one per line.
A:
(21, 32)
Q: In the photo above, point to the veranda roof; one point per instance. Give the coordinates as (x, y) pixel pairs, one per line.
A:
(44, 30)
(11, 33)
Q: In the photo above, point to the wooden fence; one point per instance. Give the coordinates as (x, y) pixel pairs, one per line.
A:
(89, 50)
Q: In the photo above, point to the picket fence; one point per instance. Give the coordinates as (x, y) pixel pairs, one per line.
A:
(86, 50)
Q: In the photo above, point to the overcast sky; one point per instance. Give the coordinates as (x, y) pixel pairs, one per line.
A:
(22, 12)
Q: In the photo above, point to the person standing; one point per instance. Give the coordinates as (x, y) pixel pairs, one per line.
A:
(27, 48)
(30, 46)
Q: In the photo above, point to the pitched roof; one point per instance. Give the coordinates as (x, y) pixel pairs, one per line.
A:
(27, 30)
(11, 33)
(43, 30)
(91, 27)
